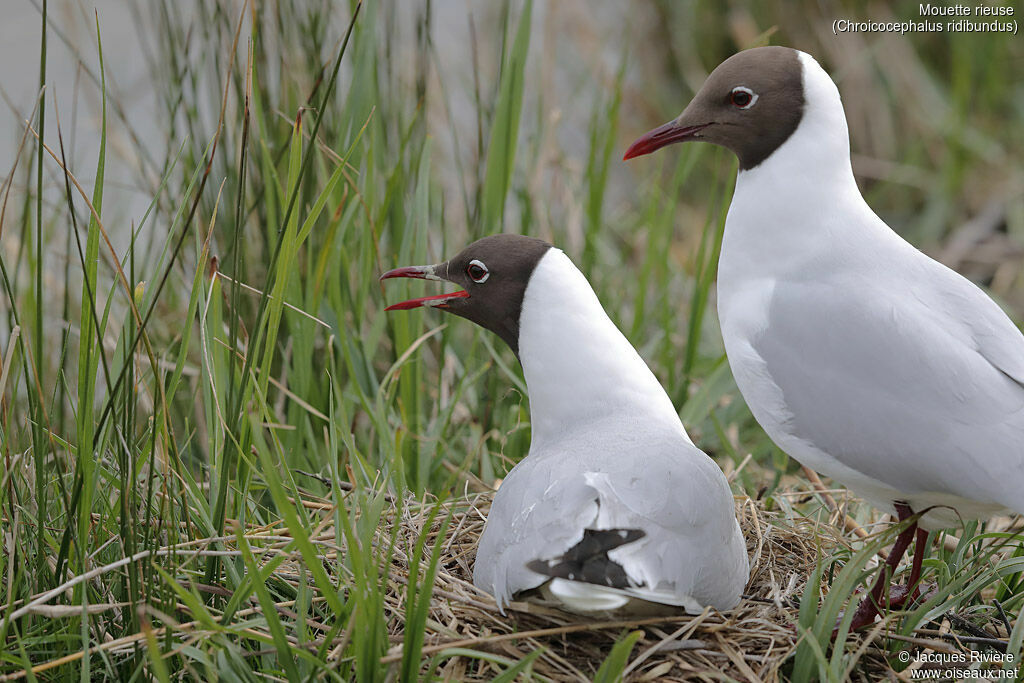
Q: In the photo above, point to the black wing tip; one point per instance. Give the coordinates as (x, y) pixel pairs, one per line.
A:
(609, 539)
(588, 560)
(539, 566)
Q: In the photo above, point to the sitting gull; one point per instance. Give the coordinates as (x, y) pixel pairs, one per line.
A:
(613, 510)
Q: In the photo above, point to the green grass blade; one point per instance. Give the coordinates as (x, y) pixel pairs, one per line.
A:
(504, 135)
(284, 649)
(612, 668)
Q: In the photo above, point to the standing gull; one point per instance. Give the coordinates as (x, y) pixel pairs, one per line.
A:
(859, 356)
(614, 509)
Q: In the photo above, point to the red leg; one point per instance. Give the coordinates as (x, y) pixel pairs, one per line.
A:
(898, 595)
(915, 570)
(869, 606)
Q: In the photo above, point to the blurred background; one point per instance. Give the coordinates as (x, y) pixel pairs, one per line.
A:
(934, 120)
(444, 144)
(447, 120)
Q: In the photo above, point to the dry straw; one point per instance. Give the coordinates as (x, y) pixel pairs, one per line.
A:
(750, 642)
(466, 638)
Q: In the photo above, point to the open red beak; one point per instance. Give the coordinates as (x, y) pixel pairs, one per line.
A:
(421, 273)
(662, 135)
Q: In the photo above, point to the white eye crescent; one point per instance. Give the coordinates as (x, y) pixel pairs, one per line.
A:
(477, 271)
(743, 97)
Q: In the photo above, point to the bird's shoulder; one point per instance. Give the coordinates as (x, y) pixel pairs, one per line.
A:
(895, 305)
(665, 480)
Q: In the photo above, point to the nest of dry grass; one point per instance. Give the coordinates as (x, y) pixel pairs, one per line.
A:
(750, 642)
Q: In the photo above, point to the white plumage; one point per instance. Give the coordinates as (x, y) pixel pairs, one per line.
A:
(608, 452)
(860, 356)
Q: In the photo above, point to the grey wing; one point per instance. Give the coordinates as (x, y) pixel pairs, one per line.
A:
(692, 550)
(984, 326)
(911, 388)
(535, 515)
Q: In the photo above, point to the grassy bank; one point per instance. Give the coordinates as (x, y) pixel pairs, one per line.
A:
(222, 460)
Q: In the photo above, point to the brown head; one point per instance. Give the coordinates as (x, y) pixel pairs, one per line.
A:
(751, 103)
(493, 273)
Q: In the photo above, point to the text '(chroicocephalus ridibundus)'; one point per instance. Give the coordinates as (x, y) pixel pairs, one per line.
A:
(860, 356)
(614, 509)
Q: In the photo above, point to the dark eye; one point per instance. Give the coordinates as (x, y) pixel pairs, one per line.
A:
(477, 271)
(742, 97)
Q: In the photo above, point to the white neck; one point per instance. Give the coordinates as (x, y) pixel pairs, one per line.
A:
(580, 370)
(803, 198)
(815, 160)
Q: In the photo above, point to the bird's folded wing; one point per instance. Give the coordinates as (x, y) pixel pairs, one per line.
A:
(534, 516)
(682, 506)
(899, 386)
(989, 329)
